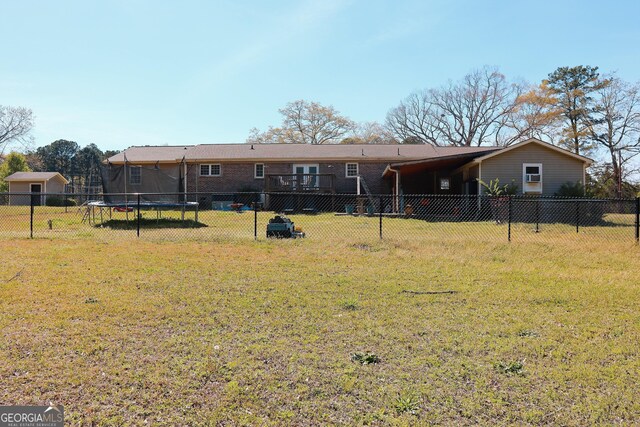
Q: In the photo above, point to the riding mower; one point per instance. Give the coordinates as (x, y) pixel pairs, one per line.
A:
(282, 227)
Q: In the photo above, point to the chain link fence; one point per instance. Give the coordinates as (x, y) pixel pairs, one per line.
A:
(327, 217)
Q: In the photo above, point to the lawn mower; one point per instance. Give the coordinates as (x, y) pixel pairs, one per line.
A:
(282, 227)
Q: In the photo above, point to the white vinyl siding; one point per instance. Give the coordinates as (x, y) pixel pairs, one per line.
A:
(558, 168)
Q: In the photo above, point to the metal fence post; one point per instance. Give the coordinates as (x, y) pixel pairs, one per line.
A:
(577, 216)
(31, 215)
(509, 219)
(538, 215)
(637, 219)
(138, 222)
(380, 214)
(255, 220)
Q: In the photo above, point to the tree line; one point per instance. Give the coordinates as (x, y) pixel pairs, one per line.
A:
(576, 108)
(81, 166)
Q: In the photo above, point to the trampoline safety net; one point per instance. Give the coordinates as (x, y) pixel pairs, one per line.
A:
(163, 182)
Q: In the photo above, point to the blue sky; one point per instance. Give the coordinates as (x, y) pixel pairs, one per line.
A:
(131, 72)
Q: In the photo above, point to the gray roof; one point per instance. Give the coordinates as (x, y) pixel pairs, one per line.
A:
(34, 176)
(151, 153)
(291, 152)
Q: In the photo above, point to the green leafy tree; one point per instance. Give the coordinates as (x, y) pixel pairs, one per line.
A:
(87, 164)
(14, 162)
(572, 89)
(59, 156)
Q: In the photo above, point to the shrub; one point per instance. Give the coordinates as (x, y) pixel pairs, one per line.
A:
(570, 189)
(493, 188)
(58, 201)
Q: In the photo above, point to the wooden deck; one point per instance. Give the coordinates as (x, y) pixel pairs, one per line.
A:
(302, 183)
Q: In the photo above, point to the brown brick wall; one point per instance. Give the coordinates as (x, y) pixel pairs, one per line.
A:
(239, 176)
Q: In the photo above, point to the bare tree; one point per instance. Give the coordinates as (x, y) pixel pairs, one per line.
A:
(270, 136)
(306, 123)
(534, 115)
(15, 125)
(481, 109)
(370, 133)
(615, 125)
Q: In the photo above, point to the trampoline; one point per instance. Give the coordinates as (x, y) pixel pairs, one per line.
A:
(95, 209)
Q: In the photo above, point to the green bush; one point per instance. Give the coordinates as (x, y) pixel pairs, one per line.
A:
(59, 201)
(570, 189)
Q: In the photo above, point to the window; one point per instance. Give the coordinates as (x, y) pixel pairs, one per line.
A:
(135, 175)
(259, 170)
(210, 170)
(532, 178)
(444, 183)
(351, 170)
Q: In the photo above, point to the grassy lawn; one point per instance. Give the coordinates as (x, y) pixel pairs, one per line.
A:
(327, 227)
(235, 332)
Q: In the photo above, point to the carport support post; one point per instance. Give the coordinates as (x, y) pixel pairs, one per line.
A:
(380, 213)
(637, 219)
(138, 221)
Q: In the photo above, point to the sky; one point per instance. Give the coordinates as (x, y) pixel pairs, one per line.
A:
(118, 73)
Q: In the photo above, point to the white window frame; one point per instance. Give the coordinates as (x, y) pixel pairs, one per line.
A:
(139, 169)
(346, 170)
(531, 187)
(255, 171)
(210, 169)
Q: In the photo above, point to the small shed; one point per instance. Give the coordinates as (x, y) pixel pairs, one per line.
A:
(40, 184)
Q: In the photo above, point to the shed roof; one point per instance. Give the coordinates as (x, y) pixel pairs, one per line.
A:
(35, 176)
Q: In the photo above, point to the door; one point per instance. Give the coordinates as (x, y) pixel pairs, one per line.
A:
(306, 176)
(36, 189)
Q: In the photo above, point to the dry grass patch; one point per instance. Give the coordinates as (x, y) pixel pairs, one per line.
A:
(198, 333)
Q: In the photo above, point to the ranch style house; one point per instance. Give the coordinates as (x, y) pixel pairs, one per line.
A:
(536, 167)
